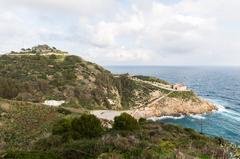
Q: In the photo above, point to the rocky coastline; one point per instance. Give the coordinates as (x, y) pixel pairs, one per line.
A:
(175, 107)
(169, 107)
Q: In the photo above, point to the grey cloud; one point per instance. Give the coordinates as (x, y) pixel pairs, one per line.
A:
(129, 32)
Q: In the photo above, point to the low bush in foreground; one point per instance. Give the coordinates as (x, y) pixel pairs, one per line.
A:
(153, 140)
(85, 126)
(125, 122)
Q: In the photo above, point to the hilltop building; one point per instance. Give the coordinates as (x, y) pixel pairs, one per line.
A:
(180, 87)
(40, 49)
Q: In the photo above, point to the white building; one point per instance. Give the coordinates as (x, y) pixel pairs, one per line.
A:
(180, 87)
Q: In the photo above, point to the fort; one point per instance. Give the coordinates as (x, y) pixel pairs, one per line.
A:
(43, 50)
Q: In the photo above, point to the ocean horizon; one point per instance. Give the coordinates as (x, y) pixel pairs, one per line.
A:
(217, 84)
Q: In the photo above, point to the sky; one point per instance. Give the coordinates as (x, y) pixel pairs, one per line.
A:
(127, 32)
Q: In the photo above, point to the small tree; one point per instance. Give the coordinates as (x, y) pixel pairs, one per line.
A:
(52, 57)
(64, 129)
(142, 120)
(88, 126)
(125, 122)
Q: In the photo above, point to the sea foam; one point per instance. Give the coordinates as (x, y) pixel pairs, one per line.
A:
(166, 117)
(198, 116)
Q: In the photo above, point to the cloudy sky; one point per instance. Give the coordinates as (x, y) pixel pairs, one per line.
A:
(127, 32)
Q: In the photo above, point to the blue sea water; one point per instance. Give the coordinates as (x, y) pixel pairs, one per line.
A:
(220, 85)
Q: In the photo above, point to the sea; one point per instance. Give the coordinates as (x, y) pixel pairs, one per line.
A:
(220, 85)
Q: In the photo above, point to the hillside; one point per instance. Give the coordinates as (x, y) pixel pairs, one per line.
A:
(22, 123)
(40, 74)
(45, 73)
(77, 137)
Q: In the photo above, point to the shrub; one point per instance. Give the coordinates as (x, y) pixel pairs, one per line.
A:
(9, 88)
(151, 79)
(62, 126)
(142, 120)
(52, 56)
(64, 111)
(64, 129)
(125, 122)
(88, 126)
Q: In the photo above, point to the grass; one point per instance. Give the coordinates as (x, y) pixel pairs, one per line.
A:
(152, 140)
(152, 79)
(185, 95)
(24, 123)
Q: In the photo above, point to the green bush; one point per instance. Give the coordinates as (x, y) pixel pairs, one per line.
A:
(88, 126)
(53, 57)
(64, 129)
(142, 120)
(151, 79)
(125, 122)
(62, 126)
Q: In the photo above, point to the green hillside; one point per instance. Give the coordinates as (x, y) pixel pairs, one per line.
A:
(43, 73)
(83, 137)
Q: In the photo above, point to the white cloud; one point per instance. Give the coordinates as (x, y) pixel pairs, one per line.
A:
(81, 7)
(199, 32)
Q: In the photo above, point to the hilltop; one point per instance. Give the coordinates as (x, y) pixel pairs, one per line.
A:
(45, 73)
(39, 49)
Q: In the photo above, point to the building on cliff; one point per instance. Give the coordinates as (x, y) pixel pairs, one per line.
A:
(180, 87)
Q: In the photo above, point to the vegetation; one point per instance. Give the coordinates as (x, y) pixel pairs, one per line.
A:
(80, 83)
(31, 155)
(125, 122)
(85, 126)
(153, 140)
(22, 123)
(186, 95)
(126, 89)
(151, 79)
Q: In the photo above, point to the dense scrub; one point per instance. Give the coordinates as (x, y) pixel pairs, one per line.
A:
(125, 122)
(151, 79)
(153, 140)
(185, 95)
(85, 126)
(37, 78)
(80, 83)
(23, 123)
